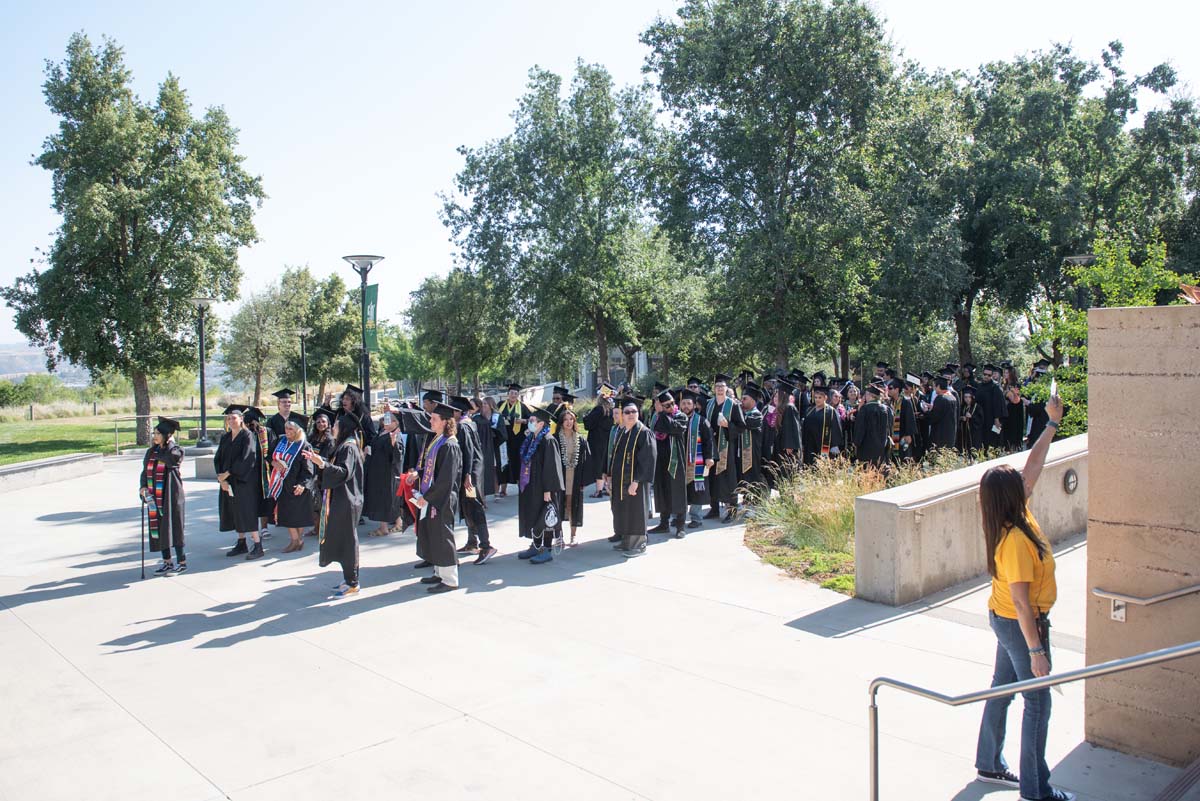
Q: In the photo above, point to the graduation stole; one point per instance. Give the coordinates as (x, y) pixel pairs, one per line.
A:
(285, 451)
(155, 471)
(747, 444)
(626, 467)
(528, 448)
(429, 460)
(673, 464)
(896, 407)
(722, 438)
(510, 412)
(695, 447)
(265, 462)
(826, 431)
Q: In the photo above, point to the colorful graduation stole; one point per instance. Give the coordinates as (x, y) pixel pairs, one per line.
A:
(285, 451)
(155, 471)
(430, 460)
(626, 468)
(510, 412)
(826, 431)
(746, 451)
(265, 461)
(696, 449)
(528, 447)
(721, 438)
(896, 422)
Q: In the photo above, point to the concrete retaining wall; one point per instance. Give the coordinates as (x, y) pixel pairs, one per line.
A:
(914, 540)
(43, 471)
(1144, 525)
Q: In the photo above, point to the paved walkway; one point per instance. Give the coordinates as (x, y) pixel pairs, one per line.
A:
(693, 673)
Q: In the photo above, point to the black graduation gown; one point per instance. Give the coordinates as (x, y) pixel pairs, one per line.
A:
(170, 505)
(342, 477)
(583, 469)
(943, 421)
(904, 411)
(222, 460)
(324, 448)
(698, 493)
(381, 477)
(670, 491)
(275, 423)
(873, 433)
(489, 439)
(472, 460)
(749, 466)
(241, 462)
(266, 504)
(598, 423)
(435, 531)
(821, 427)
(724, 482)
(545, 475)
(414, 446)
(992, 403)
(292, 510)
(632, 459)
(514, 437)
(970, 430)
(1013, 431)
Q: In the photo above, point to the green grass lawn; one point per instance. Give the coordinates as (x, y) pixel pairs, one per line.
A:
(22, 442)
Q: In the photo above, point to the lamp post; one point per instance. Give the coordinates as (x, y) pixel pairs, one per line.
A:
(202, 305)
(362, 265)
(304, 332)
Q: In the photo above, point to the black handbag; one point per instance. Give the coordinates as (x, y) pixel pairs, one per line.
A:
(549, 517)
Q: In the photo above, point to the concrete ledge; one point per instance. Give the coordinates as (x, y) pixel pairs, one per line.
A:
(202, 458)
(914, 540)
(43, 471)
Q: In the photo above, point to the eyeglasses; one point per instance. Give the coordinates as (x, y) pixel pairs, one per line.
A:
(629, 411)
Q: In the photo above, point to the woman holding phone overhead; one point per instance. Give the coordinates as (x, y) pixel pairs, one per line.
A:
(1023, 591)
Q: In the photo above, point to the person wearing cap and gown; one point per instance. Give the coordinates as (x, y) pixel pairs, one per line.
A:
(436, 489)
(341, 485)
(320, 439)
(540, 481)
(873, 428)
(904, 421)
(698, 450)
(943, 416)
(631, 469)
(971, 421)
(293, 482)
(801, 396)
(781, 430)
(240, 484)
(382, 469)
(724, 414)
(990, 399)
(598, 423)
(669, 427)
(515, 415)
(966, 378)
(264, 442)
(283, 402)
(822, 430)
(472, 503)
(576, 457)
(161, 489)
(750, 479)
(491, 439)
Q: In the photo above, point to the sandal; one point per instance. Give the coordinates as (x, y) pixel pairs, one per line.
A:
(379, 532)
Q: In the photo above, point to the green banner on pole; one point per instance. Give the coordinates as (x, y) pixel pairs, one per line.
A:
(370, 333)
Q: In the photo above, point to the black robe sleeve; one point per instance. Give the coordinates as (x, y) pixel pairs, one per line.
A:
(644, 458)
(243, 457)
(552, 469)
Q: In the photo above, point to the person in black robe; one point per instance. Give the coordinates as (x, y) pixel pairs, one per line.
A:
(751, 480)
(598, 423)
(491, 434)
(472, 501)
(283, 402)
(293, 482)
(161, 489)
(990, 400)
(540, 482)
(669, 427)
(239, 479)
(1013, 428)
(781, 431)
(698, 449)
(435, 491)
(382, 470)
(904, 421)
(264, 444)
(515, 415)
(724, 414)
(576, 456)
(966, 377)
(822, 430)
(320, 439)
(943, 416)
(341, 484)
(970, 424)
(631, 469)
(873, 429)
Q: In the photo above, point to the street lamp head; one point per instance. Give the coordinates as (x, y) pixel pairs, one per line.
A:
(202, 303)
(362, 264)
(303, 331)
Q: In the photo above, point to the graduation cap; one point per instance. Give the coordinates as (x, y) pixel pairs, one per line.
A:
(569, 398)
(543, 414)
(849, 385)
(881, 365)
(326, 412)
(443, 410)
(348, 421)
(786, 386)
(819, 376)
(688, 394)
(352, 388)
(927, 374)
(912, 380)
(664, 396)
(298, 420)
(434, 395)
(693, 380)
(659, 387)
(821, 388)
(1006, 364)
(515, 386)
(971, 366)
(560, 391)
(990, 366)
(942, 382)
(1042, 363)
(166, 426)
(895, 383)
(873, 389)
(625, 400)
(968, 390)
(722, 378)
(753, 390)
(953, 367)
(460, 403)
(235, 408)
(414, 421)
(284, 393)
(253, 414)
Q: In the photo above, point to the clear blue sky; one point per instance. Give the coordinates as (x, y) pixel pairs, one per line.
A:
(352, 116)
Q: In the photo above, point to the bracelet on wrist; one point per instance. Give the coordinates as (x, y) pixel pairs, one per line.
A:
(1051, 424)
(1039, 650)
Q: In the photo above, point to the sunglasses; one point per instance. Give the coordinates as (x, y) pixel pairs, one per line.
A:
(629, 411)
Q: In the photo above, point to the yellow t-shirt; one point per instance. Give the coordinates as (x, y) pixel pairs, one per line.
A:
(1017, 561)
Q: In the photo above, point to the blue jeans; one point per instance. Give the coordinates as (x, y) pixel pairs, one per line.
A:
(695, 510)
(1013, 664)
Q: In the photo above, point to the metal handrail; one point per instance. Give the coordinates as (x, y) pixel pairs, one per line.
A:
(1006, 690)
(1151, 601)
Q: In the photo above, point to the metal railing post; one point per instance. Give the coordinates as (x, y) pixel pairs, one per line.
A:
(873, 745)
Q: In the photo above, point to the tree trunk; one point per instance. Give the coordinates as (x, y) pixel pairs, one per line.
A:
(962, 328)
(457, 378)
(844, 353)
(257, 387)
(475, 385)
(629, 363)
(666, 376)
(833, 360)
(320, 399)
(602, 349)
(141, 406)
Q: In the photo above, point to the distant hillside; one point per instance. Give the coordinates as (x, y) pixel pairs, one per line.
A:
(20, 359)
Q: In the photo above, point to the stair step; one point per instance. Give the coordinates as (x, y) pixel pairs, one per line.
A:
(1185, 787)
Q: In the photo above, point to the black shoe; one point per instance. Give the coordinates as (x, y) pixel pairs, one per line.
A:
(485, 555)
(694, 524)
(661, 528)
(165, 569)
(180, 568)
(633, 553)
(257, 552)
(431, 580)
(1055, 795)
(467, 549)
(680, 533)
(441, 587)
(615, 538)
(422, 565)
(711, 513)
(1005, 778)
(239, 548)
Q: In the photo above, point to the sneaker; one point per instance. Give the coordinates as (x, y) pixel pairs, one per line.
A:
(528, 553)
(180, 568)
(615, 538)
(542, 558)
(237, 549)
(442, 587)
(633, 553)
(680, 533)
(165, 568)
(694, 524)
(346, 592)
(264, 534)
(1005, 778)
(1055, 795)
(339, 586)
(484, 556)
(467, 549)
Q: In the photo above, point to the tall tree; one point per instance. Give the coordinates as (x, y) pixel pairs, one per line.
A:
(258, 341)
(332, 315)
(154, 203)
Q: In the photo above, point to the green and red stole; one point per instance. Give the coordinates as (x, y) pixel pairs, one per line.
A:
(156, 470)
(695, 447)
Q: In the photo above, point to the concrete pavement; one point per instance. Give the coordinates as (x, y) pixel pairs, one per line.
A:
(695, 672)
